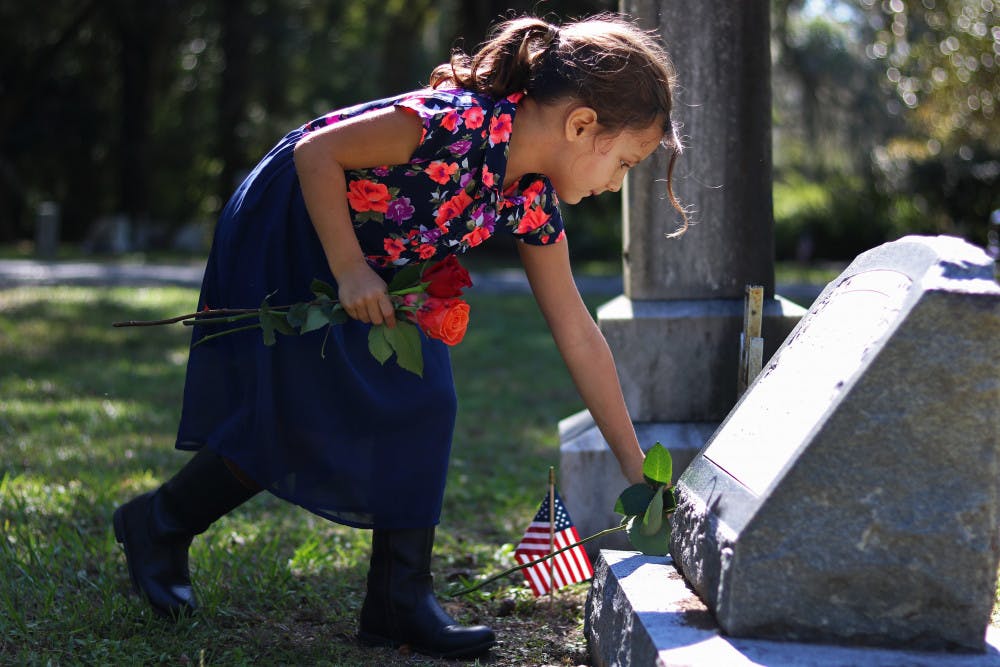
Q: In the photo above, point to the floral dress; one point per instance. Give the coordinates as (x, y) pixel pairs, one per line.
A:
(315, 419)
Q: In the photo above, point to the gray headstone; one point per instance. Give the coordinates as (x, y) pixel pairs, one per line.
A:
(852, 494)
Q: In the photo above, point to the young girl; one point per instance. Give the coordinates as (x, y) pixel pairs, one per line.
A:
(540, 114)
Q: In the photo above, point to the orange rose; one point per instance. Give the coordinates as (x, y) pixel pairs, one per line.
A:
(500, 128)
(393, 247)
(532, 191)
(450, 121)
(444, 319)
(473, 117)
(366, 195)
(476, 236)
(532, 220)
(441, 172)
(452, 208)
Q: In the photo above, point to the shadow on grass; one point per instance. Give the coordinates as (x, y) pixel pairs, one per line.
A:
(88, 420)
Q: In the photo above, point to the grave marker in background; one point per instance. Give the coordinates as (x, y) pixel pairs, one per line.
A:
(675, 331)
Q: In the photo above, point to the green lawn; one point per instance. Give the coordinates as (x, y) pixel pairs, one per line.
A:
(88, 420)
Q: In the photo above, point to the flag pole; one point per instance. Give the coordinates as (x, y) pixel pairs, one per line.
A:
(552, 527)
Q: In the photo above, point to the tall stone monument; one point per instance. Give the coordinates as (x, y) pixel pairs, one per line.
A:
(675, 331)
(853, 494)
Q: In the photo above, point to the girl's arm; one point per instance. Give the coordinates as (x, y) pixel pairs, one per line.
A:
(383, 137)
(584, 350)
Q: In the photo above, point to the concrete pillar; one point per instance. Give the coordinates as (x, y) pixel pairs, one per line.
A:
(675, 331)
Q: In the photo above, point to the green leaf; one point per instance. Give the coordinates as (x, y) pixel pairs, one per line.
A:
(408, 276)
(270, 322)
(297, 314)
(657, 544)
(634, 500)
(405, 340)
(658, 466)
(377, 343)
(669, 500)
(314, 319)
(320, 288)
(334, 313)
(653, 518)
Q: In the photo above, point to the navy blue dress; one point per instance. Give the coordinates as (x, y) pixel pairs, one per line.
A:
(350, 439)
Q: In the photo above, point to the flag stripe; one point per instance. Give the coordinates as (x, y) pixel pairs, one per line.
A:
(571, 566)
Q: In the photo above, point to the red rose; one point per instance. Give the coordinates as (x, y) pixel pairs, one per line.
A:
(444, 319)
(447, 278)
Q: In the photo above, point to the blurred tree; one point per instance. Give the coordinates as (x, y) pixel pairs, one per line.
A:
(942, 61)
(142, 30)
(39, 81)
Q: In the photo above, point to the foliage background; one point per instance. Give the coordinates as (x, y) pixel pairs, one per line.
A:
(885, 111)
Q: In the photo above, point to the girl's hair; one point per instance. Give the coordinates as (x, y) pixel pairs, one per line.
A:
(605, 62)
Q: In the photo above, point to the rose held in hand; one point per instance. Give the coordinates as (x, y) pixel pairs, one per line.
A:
(443, 319)
(446, 279)
(425, 298)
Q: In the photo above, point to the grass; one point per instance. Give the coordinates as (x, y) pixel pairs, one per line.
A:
(88, 421)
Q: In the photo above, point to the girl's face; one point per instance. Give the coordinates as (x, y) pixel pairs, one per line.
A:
(596, 161)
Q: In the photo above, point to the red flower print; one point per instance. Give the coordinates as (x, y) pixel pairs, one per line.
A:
(532, 220)
(473, 117)
(488, 178)
(366, 195)
(446, 278)
(441, 172)
(426, 251)
(452, 208)
(532, 191)
(393, 248)
(476, 236)
(450, 121)
(500, 128)
(515, 97)
(444, 319)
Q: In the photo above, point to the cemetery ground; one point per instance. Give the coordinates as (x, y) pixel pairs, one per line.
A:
(87, 421)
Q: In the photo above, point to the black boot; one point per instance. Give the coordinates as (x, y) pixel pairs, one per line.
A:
(400, 607)
(156, 528)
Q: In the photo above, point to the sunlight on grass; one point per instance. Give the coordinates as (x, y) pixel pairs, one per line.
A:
(88, 421)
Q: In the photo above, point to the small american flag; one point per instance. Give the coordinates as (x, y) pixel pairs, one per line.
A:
(568, 567)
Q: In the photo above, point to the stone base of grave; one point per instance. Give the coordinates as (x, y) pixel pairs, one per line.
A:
(640, 611)
(590, 479)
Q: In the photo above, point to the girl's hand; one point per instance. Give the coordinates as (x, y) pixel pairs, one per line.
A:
(365, 296)
(633, 471)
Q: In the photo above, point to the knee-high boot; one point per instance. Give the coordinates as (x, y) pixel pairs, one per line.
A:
(400, 607)
(156, 528)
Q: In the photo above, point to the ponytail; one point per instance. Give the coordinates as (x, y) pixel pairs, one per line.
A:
(506, 63)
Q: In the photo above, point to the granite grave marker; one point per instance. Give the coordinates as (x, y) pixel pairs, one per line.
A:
(851, 496)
